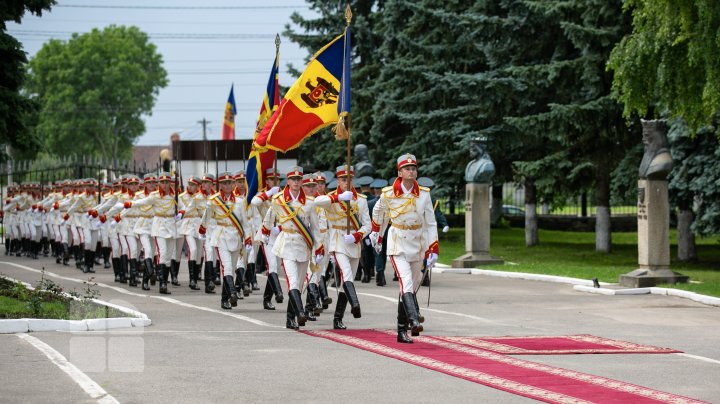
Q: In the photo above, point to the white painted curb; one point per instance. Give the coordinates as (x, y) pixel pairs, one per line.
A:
(22, 325)
(581, 285)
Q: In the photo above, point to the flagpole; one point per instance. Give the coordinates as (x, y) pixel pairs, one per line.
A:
(275, 156)
(348, 19)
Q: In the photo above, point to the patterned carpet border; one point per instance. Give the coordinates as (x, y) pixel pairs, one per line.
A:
(557, 345)
(499, 371)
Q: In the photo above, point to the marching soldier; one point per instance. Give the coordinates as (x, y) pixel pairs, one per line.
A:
(262, 202)
(226, 213)
(189, 228)
(296, 244)
(164, 228)
(343, 242)
(124, 220)
(313, 307)
(411, 238)
(247, 262)
(119, 260)
(83, 212)
(325, 300)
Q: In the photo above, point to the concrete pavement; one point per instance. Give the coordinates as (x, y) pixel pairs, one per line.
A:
(196, 352)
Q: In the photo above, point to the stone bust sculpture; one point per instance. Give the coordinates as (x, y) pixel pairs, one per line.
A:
(363, 166)
(480, 169)
(656, 162)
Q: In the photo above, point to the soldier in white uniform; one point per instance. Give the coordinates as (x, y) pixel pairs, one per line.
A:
(119, 260)
(85, 219)
(297, 240)
(124, 220)
(343, 242)
(244, 263)
(230, 238)
(261, 204)
(188, 228)
(164, 228)
(412, 237)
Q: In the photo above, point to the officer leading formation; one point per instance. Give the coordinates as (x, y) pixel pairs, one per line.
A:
(142, 227)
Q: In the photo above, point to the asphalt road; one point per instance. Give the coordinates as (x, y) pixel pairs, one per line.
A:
(194, 352)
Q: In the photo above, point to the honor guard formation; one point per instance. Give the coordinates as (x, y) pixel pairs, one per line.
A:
(316, 233)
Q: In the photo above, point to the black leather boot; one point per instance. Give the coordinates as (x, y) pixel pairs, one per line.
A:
(353, 299)
(409, 303)
(146, 279)
(193, 275)
(163, 275)
(106, 257)
(296, 301)
(267, 296)
(132, 279)
(228, 297)
(421, 318)
(380, 278)
(116, 268)
(240, 284)
(216, 274)
(89, 261)
(174, 271)
(309, 305)
(402, 326)
(325, 300)
(251, 277)
(312, 301)
(208, 276)
(66, 253)
(291, 323)
(58, 252)
(276, 288)
(124, 266)
(150, 269)
(340, 311)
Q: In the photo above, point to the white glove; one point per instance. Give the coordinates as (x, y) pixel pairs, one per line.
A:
(378, 248)
(318, 258)
(248, 247)
(332, 259)
(201, 236)
(275, 231)
(272, 191)
(432, 259)
(265, 239)
(349, 239)
(346, 196)
(178, 217)
(367, 242)
(96, 224)
(374, 236)
(34, 210)
(446, 229)
(113, 224)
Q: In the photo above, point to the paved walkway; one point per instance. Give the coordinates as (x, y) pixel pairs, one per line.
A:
(195, 352)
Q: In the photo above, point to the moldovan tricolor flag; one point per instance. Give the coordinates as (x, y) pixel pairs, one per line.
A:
(228, 130)
(312, 103)
(259, 162)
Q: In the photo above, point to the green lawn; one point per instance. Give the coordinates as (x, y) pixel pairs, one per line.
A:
(16, 301)
(573, 254)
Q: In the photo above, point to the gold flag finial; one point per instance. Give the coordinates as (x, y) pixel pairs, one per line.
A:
(348, 14)
(277, 41)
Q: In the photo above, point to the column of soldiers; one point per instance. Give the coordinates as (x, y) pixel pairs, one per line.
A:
(310, 234)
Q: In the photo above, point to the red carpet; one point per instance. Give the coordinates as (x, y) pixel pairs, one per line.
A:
(559, 345)
(517, 376)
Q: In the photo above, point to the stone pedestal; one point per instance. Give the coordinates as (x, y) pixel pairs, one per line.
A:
(653, 238)
(477, 228)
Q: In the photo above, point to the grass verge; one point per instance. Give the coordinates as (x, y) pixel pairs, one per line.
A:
(573, 254)
(48, 301)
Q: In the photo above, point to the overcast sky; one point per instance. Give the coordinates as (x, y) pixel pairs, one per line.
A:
(206, 46)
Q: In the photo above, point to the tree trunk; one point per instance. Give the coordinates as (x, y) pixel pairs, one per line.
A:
(603, 235)
(531, 223)
(686, 238)
(497, 202)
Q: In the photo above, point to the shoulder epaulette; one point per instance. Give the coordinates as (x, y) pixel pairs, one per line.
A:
(426, 189)
(277, 195)
(312, 198)
(362, 195)
(387, 188)
(157, 192)
(215, 194)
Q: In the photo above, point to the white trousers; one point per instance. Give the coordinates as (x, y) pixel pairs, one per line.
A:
(148, 245)
(91, 238)
(116, 245)
(228, 260)
(347, 266)
(131, 246)
(409, 273)
(166, 250)
(194, 246)
(270, 258)
(294, 273)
